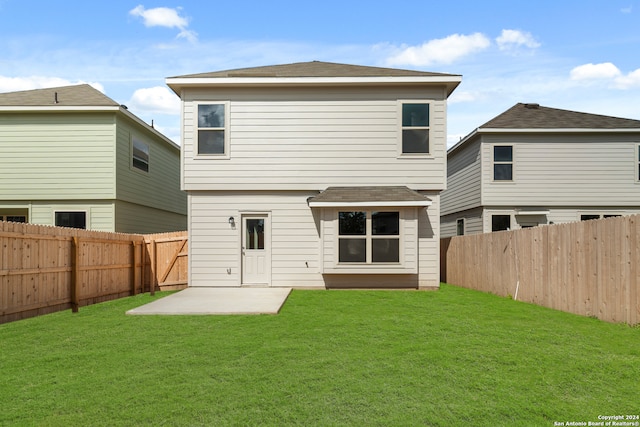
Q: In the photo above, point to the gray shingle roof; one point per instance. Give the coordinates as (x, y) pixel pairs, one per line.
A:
(534, 116)
(368, 195)
(314, 69)
(67, 96)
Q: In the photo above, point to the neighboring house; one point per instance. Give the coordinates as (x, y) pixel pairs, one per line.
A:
(314, 174)
(70, 156)
(534, 165)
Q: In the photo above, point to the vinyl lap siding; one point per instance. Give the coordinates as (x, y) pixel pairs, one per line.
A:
(99, 214)
(159, 188)
(463, 180)
(139, 219)
(342, 138)
(558, 170)
(57, 156)
(215, 257)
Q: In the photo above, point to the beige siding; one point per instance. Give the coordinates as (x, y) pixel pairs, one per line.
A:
(463, 180)
(310, 139)
(429, 243)
(472, 222)
(215, 254)
(159, 188)
(139, 219)
(57, 156)
(559, 170)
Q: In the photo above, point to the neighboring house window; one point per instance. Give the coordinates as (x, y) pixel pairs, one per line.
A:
(500, 222)
(71, 219)
(503, 163)
(588, 217)
(13, 218)
(415, 128)
(212, 133)
(369, 237)
(140, 155)
(638, 163)
(460, 227)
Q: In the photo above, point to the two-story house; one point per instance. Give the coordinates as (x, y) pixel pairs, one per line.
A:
(71, 156)
(314, 174)
(534, 165)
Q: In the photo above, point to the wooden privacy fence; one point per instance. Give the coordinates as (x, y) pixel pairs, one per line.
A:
(591, 268)
(46, 269)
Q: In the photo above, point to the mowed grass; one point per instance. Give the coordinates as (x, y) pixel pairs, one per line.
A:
(454, 357)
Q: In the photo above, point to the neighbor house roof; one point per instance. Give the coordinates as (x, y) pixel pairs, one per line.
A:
(534, 118)
(77, 96)
(392, 196)
(313, 73)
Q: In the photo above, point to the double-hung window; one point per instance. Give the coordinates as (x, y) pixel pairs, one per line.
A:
(212, 130)
(140, 154)
(503, 163)
(415, 128)
(369, 237)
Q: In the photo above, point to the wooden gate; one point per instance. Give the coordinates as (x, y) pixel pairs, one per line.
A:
(168, 260)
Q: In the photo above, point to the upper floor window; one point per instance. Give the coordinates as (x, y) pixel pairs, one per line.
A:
(369, 237)
(503, 163)
(212, 132)
(415, 128)
(140, 155)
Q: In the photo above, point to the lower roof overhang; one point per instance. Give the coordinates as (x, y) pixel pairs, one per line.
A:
(360, 197)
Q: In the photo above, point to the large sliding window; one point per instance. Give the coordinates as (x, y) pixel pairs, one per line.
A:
(369, 237)
(71, 219)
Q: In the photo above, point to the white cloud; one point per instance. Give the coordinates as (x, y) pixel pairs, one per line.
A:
(156, 99)
(15, 84)
(511, 39)
(630, 80)
(627, 10)
(605, 70)
(441, 51)
(165, 17)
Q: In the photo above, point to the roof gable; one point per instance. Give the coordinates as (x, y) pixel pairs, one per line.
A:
(315, 69)
(65, 96)
(534, 116)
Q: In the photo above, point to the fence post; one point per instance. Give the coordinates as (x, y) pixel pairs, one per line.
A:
(75, 261)
(154, 268)
(134, 267)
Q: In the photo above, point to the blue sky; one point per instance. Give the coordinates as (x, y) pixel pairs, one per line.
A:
(579, 55)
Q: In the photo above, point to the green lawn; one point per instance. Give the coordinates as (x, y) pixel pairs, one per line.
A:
(454, 357)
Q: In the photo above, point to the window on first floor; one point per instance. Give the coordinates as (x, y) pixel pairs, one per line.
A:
(369, 237)
(460, 227)
(71, 219)
(500, 222)
(587, 217)
(13, 218)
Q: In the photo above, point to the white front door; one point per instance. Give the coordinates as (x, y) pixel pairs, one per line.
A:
(256, 260)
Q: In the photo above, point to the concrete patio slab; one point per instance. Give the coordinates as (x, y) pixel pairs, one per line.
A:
(203, 301)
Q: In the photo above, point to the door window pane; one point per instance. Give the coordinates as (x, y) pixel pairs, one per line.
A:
(353, 250)
(385, 250)
(254, 233)
(352, 223)
(385, 223)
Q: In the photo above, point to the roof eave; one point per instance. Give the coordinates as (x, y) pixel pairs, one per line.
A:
(178, 83)
(391, 204)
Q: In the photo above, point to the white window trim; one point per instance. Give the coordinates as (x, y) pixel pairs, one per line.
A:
(401, 154)
(226, 155)
(131, 165)
(512, 163)
(368, 236)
